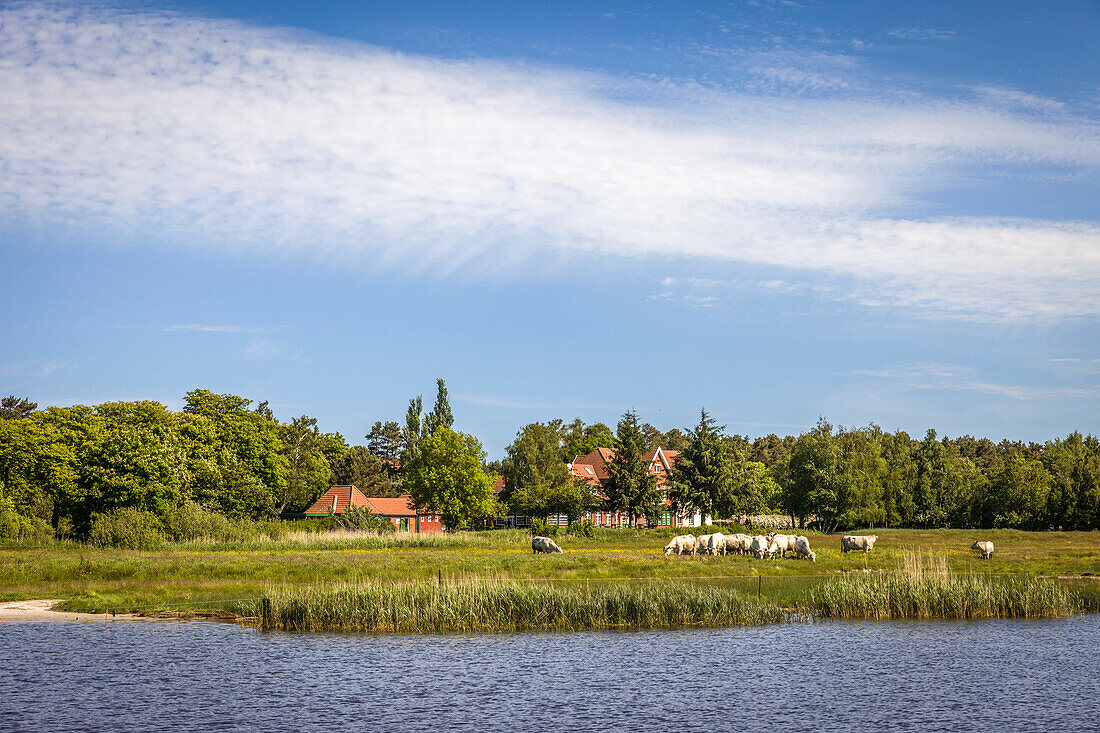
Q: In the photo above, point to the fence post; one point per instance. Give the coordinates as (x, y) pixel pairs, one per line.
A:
(440, 577)
(265, 623)
(759, 585)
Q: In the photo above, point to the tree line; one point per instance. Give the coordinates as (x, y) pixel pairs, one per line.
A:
(836, 478)
(60, 467)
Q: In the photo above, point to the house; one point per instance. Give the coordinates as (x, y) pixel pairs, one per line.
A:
(591, 468)
(397, 510)
(508, 521)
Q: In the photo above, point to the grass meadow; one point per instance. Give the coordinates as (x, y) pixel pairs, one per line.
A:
(204, 577)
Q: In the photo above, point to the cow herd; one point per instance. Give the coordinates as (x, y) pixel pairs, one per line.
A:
(761, 546)
(768, 546)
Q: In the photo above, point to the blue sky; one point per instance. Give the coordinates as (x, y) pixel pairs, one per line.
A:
(776, 210)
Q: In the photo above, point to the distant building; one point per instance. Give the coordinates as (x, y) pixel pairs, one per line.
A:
(592, 469)
(398, 510)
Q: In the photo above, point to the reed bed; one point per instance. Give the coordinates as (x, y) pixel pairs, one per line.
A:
(923, 588)
(505, 606)
(364, 540)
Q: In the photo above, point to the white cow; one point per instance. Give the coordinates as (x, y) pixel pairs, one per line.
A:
(544, 545)
(986, 548)
(858, 542)
(759, 546)
(682, 545)
(785, 542)
(801, 548)
(739, 543)
(702, 542)
(716, 544)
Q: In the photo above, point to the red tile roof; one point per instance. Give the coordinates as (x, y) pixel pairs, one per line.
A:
(337, 500)
(592, 467)
(392, 507)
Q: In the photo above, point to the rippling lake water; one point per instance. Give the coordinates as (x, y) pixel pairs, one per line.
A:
(992, 675)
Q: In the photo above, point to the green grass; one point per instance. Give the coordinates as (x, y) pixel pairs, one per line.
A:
(507, 606)
(202, 575)
(924, 588)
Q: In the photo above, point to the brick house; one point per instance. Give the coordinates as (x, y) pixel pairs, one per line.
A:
(592, 469)
(398, 510)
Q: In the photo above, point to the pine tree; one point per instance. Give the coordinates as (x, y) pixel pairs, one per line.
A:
(630, 486)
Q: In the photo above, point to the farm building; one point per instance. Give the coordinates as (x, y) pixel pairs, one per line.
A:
(398, 510)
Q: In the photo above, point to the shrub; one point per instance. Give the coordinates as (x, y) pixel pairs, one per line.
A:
(582, 529)
(191, 522)
(128, 528)
(540, 528)
(15, 526)
(361, 519)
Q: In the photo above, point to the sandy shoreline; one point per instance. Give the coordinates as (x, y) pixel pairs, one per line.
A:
(42, 610)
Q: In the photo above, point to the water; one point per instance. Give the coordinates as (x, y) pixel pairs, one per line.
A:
(993, 675)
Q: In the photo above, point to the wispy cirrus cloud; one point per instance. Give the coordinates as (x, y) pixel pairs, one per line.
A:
(176, 129)
(32, 369)
(955, 378)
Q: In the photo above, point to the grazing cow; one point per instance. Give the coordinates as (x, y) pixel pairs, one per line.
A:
(682, 545)
(986, 548)
(858, 542)
(759, 546)
(739, 543)
(785, 542)
(544, 545)
(702, 542)
(801, 548)
(716, 544)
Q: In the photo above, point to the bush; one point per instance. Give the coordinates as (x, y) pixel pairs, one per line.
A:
(191, 522)
(364, 520)
(540, 528)
(582, 529)
(127, 528)
(15, 526)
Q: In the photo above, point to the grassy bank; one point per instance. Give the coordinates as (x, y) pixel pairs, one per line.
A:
(204, 575)
(505, 606)
(924, 588)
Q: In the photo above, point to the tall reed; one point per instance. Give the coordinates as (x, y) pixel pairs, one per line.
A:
(922, 587)
(504, 606)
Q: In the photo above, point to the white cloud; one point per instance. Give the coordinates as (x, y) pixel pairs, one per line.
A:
(263, 350)
(922, 34)
(31, 369)
(954, 378)
(178, 129)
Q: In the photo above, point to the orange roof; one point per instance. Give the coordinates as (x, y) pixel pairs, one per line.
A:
(337, 500)
(391, 507)
(592, 467)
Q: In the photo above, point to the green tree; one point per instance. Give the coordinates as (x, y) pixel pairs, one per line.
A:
(37, 468)
(1074, 467)
(811, 473)
(947, 484)
(445, 475)
(1018, 493)
(308, 471)
(899, 480)
(360, 467)
(384, 440)
(440, 416)
(630, 486)
(413, 431)
(702, 476)
(579, 439)
(249, 454)
(536, 481)
(16, 408)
